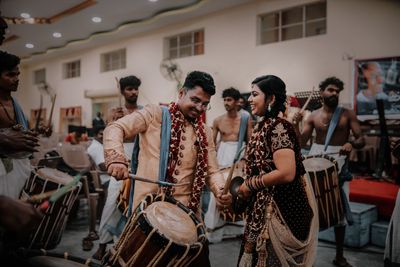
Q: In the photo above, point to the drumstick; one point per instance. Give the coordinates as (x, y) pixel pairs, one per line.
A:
(53, 101)
(65, 189)
(327, 154)
(229, 178)
(161, 183)
(40, 197)
(147, 180)
(53, 195)
(308, 100)
(39, 113)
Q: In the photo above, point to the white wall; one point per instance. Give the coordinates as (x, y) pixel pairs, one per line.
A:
(355, 28)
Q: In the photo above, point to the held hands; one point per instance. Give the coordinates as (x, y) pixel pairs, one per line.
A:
(15, 140)
(223, 200)
(346, 149)
(118, 170)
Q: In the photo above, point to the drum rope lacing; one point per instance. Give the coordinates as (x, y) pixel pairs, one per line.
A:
(132, 224)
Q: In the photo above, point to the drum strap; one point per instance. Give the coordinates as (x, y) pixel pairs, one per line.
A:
(165, 140)
(244, 118)
(332, 126)
(331, 130)
(164, 151)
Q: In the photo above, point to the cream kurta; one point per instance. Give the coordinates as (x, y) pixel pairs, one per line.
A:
(147, 123)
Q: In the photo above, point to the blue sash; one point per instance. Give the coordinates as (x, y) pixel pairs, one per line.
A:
(344, 172)
(19, 114)
(164, 151)
(332, 126)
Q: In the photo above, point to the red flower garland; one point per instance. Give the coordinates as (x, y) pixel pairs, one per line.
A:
(177, 125)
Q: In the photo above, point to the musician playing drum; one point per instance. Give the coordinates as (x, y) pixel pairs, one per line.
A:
(16, 217)
(191, 156)
(339, 143)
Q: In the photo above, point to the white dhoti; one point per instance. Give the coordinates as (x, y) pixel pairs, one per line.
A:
(11, 183)
(111, 216)
(217, 228)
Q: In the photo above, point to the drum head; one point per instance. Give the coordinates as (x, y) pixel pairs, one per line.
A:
(317, 164)
(172, 222)
(47, 261)
(54, 175)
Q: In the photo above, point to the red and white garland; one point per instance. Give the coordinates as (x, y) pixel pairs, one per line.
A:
(177, 125)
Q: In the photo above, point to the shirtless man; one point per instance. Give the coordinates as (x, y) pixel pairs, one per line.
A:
(339, 143)
(17, 218)
(228, 126)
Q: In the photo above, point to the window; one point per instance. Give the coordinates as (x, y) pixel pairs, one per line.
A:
(293, 23)
(72, 69)
(185, 44)
(39, 76)
(113, 60)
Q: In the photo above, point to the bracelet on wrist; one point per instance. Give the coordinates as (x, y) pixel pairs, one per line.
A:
(255, 183)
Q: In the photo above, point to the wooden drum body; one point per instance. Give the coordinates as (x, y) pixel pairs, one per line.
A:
(48, 234)
(162, 232)
(323, 174)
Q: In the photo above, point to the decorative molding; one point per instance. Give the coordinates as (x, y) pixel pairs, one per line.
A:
(52, 19)
(147, 20)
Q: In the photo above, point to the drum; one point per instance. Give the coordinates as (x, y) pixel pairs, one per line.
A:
(161, 232)
(228, 214)
(323, 174)
(48, 234)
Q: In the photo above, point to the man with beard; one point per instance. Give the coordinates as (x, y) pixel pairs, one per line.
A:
(189, 156)
(129, 87)
(339, 143)
(228, 127)
(234, 128)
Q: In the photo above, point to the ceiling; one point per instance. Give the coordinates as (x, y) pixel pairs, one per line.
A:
(73, 20)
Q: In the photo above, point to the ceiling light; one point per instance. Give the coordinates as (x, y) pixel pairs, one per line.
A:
(96, 19)
(153, 0)
(25, 15)
(57, 35)
(28, 45)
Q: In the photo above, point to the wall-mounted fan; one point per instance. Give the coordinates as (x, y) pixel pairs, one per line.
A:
(171, 71)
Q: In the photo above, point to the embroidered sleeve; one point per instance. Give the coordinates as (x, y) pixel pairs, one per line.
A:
(113, 156)
(125, 129)
(281, 136)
